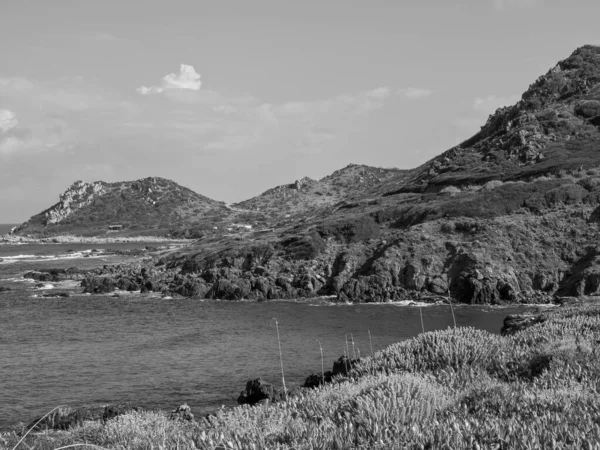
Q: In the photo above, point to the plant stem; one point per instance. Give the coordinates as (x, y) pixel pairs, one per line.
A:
(280, 358)
(322, 365)
(36, 424)
(421, 313)
(353, 352)
(452, 309)
(370, 343)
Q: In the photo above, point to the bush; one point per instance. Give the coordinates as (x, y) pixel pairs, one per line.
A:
(351, 230)
(304, 247)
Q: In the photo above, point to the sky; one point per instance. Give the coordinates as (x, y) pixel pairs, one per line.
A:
(232, 97)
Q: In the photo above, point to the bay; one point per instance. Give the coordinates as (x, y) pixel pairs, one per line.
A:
(155, 352)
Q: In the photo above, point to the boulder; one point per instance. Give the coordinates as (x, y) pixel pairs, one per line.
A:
(62, 418)
(126, 284)
(314, 380)
(98, 285)
(183, 412)
(258, 391)
(112, 411)
(513, 323)
(343, 366)
(588, 109)
(56, 294)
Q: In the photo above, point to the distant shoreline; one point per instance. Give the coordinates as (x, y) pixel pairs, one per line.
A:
(8, 239)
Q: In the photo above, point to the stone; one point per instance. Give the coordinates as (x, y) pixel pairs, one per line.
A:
(116, 410)
(257, 391)
(183, 412)
(513, 323)
(62, 418)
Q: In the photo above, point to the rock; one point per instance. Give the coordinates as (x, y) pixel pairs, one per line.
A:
(513, 323)
(4, 289)
(343, 366)
(54, 274)
(588, 109)
(183, 412)
(56, 294)
(258, 391)
(62, 418)
(112, 411)
(126, 284)
(315, 380)
(98, 285)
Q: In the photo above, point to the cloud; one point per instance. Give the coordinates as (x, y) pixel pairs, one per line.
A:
(8, 120)
(412, 92)
(492, 102)
(187, 78)
(504, 4)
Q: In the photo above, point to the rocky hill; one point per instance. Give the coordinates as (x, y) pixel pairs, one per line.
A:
(510, 215)
(307, 194)
(150, 205)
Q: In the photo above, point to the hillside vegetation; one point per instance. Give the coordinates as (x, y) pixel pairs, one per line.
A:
(455, 389)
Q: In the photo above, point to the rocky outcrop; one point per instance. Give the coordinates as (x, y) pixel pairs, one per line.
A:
(78, 195)
(258, 391)
(116, 410)
(54, 275)
(183, 412)
(62, 418)
(513, 323)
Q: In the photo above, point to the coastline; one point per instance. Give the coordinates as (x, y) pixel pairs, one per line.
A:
(8, 239)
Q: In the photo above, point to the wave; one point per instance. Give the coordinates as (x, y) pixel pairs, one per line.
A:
(37, 258)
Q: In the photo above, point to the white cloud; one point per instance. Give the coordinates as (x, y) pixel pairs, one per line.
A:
(491, 103)
(187, 78)
(412, 92)
(8, 120)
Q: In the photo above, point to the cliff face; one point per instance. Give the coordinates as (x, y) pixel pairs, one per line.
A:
(78, 195)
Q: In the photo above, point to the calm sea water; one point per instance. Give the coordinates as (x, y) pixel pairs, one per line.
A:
(158, 353)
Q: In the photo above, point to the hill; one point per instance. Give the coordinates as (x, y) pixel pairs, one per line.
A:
(148, 206)
(308, 194)
(509, 215)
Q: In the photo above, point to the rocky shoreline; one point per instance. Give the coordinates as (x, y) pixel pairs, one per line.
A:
(72, 239)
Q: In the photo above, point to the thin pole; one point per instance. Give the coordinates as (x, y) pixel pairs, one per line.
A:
(353, 352)
(322, 366)
(370, 343)
(452, 309)
(280, 358)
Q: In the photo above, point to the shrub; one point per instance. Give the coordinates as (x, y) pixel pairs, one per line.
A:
(351, 230)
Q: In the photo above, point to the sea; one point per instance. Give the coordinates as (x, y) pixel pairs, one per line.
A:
(91, 350)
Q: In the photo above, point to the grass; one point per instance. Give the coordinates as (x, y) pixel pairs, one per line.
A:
(460, 388)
